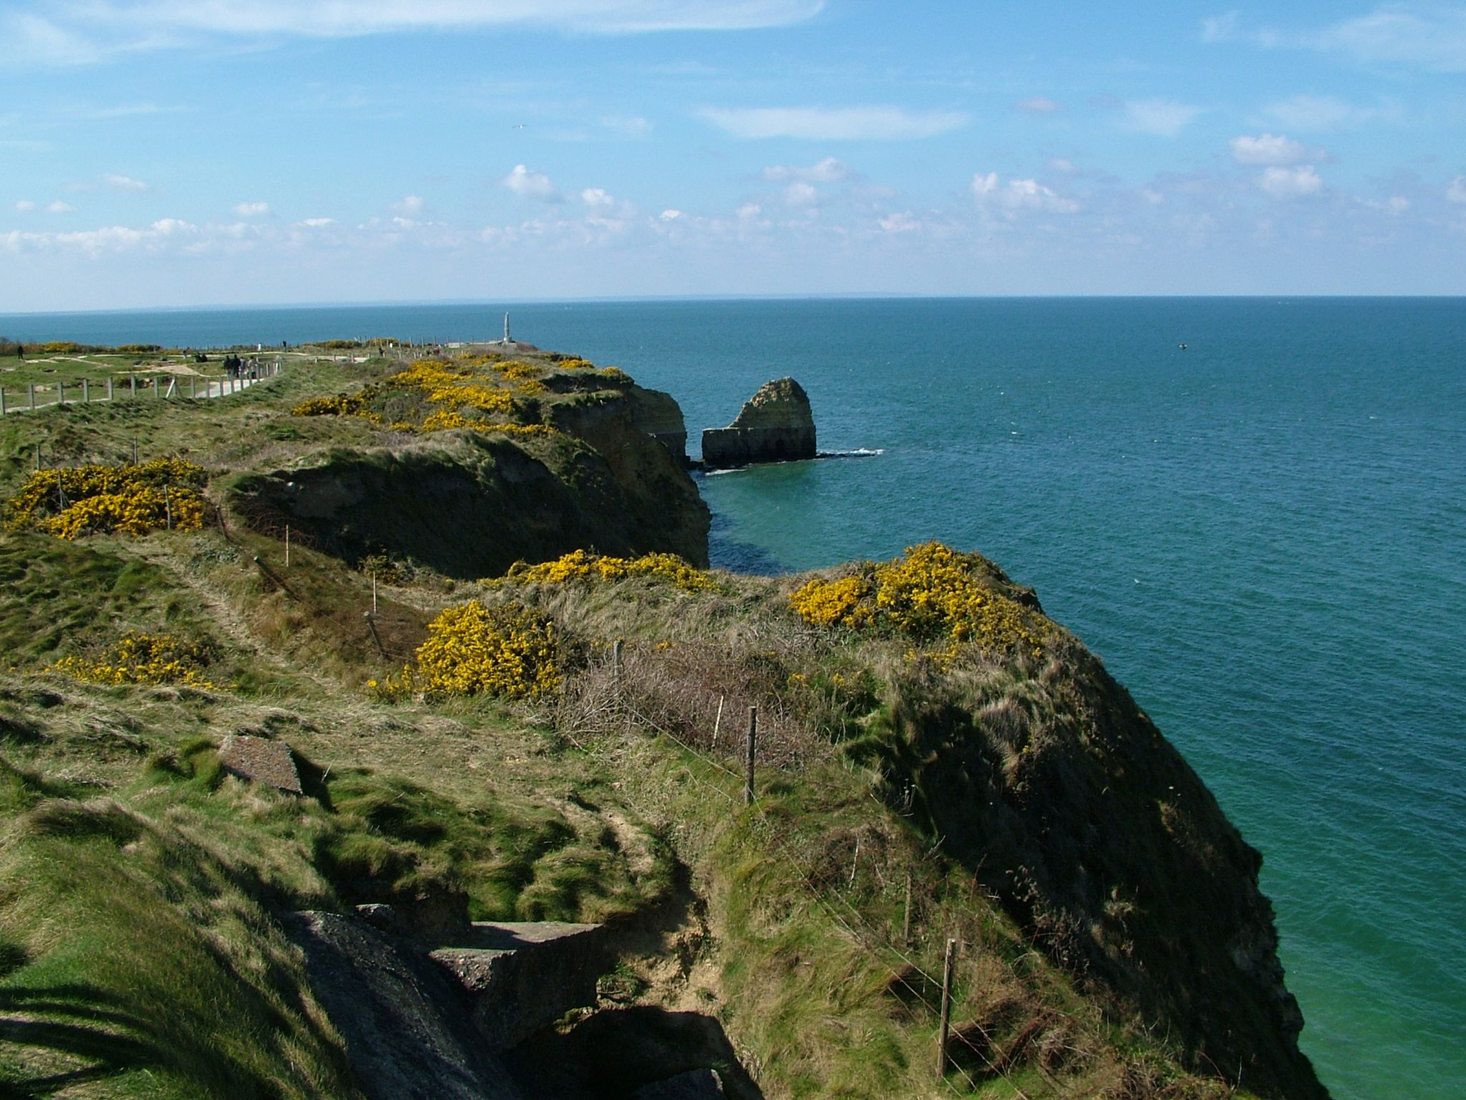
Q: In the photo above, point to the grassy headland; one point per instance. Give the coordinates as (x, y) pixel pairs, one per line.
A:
(931, 756)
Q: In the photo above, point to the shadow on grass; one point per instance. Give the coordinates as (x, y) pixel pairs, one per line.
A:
(70, 1022)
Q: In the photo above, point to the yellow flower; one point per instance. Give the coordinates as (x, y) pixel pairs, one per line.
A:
(471, 649)
(142, 658)
(930, 593)
(129, 499)
(580, 565)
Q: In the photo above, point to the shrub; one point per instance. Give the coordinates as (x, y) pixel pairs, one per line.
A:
(845, 601)
(130, 499)
(507, 651)
(580, 565)
(141, 658)
(334, 405)
(435, 395)
(932, 593)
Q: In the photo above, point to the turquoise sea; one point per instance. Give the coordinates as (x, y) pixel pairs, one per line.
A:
(1263, 534)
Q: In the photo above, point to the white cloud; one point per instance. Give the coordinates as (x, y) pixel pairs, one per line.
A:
(1268, 149)
(1161, 117)
(59, 207)
(835, 123)
(630, 126)
(597, 197)
(670, 215)
(1311, 112)
(38, 41)
(408, 206)
(1039, 105)
(1219, 28)
(112, 238)
(1431, 36)
(25, 206)
(316, 223)
(531, 185)
(124, 183)
(800, 193)
(1290, 183)
(1015, 195)
(83, 31)
(252, 209)
(828, 170)
(900, 222)
(1456, 192)
(1228, 28)
(128, 110)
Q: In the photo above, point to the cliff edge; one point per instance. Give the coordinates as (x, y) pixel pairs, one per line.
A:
(479, 462)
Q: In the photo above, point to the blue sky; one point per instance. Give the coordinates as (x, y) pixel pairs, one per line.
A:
(186, 152)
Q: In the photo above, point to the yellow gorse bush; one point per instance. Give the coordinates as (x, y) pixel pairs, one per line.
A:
(842, 602)
(508, 651)
(141, 658)
(580, 565)
(338, 404)
(434, 395)
(130, 499)
(931, 593)
(517, 371)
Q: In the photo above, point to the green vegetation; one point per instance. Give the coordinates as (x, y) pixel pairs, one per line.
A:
(144, 891)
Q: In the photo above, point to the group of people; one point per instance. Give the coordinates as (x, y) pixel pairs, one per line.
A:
(237, 367)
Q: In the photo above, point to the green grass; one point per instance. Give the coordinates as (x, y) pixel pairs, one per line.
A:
(148, 965)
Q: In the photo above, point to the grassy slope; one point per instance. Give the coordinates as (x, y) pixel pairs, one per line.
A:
(138, 949)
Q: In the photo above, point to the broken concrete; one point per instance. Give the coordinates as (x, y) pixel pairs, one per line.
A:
(260, 760)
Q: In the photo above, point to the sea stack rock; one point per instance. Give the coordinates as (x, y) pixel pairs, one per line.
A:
(776, 425)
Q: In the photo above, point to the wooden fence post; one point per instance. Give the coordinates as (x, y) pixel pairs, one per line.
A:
(750, 753)
(86, 392)
(906, 915)
(31, 389)
(2, 400)
(372, 626)
(946, 1022)
(61, 393)
(109, 387)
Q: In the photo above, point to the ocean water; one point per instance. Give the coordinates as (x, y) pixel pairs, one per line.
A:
(1263, 534)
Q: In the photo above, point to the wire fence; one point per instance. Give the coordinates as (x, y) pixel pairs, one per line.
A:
(615, 710)
(35, 396)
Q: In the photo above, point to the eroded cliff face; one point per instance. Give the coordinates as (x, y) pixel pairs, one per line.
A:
(611, 478)
(1071, 808)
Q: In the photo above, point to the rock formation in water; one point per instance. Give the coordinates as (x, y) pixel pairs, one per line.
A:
(776, 425)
